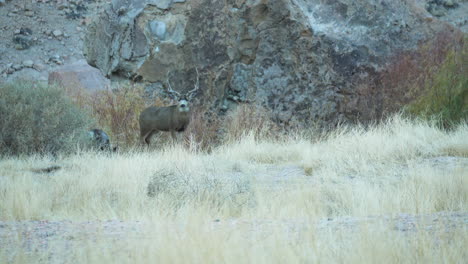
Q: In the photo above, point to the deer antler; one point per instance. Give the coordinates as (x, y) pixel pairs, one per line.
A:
(171, 91)
(191, 93)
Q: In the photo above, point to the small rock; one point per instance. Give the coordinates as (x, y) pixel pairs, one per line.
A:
(449, 3)
(79, 29)
(56, 59)
(29, 13)
(17, 31)
(48, 32)
(62, 5)
(28, 63)
(39, 66)
(10, 70)
(22, 42)
(17, 67)
(25, 31)
(57, 33)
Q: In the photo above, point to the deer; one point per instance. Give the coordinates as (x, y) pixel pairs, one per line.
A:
(174, 118)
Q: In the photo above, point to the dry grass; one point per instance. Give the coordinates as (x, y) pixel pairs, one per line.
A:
(383, 170)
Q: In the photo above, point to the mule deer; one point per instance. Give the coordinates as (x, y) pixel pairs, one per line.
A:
(174, 118)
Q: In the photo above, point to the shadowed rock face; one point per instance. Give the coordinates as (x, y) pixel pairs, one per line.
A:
(299, 58)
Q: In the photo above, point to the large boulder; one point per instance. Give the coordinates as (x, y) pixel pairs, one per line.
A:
(79, 76)
(300, 58)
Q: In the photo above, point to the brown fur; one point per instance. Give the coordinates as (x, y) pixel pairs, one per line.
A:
(169, 119)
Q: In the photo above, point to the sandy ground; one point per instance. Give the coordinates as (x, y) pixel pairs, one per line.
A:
(57, 240)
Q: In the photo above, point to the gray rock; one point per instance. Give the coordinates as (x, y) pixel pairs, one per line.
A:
(39, 67)
(22, 42)
(158, 29)
(17, 67)
(301, 59)
(449, 3)
(78, 76)
(62, 5)
(10, 70)
(28, 63)
(57, 33)
(162, 4)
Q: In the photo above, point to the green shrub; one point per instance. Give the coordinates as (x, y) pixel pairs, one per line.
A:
(38, 119)
(446, 95)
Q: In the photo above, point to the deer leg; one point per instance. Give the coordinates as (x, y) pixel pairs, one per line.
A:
(173, 135)
(146, 137)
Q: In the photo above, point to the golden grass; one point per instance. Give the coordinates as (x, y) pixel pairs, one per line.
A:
(400, 166)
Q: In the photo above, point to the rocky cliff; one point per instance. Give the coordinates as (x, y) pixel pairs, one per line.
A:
(302, 59)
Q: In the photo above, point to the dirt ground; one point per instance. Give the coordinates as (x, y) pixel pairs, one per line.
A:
(59, 240)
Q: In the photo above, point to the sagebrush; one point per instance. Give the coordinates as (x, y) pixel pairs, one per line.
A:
(37, 118)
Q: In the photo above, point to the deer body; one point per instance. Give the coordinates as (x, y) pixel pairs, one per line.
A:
(174, 118)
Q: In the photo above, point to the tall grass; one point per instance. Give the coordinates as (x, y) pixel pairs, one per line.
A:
(354, 171)
(400, 166)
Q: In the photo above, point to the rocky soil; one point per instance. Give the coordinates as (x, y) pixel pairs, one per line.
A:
(39, 36)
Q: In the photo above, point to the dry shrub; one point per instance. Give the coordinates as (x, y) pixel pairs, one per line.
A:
(249, 119)
(407, 77)
(414, 69)
(116, 111)
(119, 110)
(446, 93)
(203, 132)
